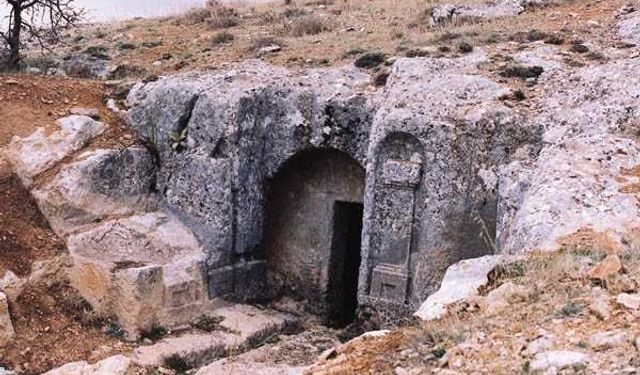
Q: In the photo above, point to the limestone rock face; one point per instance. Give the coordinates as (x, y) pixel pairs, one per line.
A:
(6, 327)
(582, 178)
(33, 155)
(577, 184)
(102, 184)
(629, 28)
(430, 143)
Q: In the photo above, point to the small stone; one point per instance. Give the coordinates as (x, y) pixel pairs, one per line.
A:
(560, 359)
(400, 371)
(539, 345)
(607, 340)
(630, 301)
(273, 48)
(6, 327)
(94, 113)
(599, 304)
(610, 266)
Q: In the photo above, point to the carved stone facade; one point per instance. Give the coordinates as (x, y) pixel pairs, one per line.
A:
(278, 170)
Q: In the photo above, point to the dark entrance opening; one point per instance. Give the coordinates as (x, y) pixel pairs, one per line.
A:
(344, 265)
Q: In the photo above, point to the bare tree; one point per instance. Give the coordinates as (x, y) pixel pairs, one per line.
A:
(39, 20)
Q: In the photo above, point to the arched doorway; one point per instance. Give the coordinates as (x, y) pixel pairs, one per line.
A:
(313, 230)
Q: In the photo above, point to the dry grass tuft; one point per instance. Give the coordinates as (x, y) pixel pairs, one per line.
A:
(308, 25)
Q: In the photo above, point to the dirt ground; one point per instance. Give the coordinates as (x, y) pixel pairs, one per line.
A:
(53, 325)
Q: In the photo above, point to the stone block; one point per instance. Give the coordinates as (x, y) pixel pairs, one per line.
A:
(38, 152)
(137, 298)
(390, 282)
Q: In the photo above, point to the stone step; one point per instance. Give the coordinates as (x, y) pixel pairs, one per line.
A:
(242, 328)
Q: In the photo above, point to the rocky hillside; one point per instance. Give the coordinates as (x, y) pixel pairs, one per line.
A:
(551, 86)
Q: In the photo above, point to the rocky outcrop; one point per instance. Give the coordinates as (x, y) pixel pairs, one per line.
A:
(584, 177)
(33, 155)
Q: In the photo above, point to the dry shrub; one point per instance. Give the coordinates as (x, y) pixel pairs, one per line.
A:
(213, 14)
(308, 25)
(194, 17)
(222, 38)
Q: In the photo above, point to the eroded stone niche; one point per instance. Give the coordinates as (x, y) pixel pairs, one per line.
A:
(398, 176)
(313, 228)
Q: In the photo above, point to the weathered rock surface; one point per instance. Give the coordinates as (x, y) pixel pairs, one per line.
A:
(545, 56)
(6, 326)
(33, 155)
(117, 365)
(629, 28)
(559, 360)
(461, 281)
(244, 327)
(445, 14)
(145, 270)
(99, 186)
(584, 176)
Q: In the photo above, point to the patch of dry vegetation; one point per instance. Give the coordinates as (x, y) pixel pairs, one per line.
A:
(325, 32)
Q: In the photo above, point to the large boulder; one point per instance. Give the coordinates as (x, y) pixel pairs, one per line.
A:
(145, 270)
(462, 280)
(98, 186)
(40, 151)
